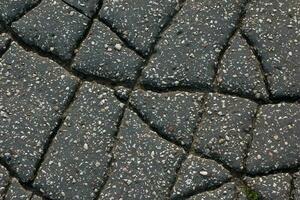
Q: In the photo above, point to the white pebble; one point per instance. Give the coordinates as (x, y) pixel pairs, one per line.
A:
(118, 47)
(204, 173)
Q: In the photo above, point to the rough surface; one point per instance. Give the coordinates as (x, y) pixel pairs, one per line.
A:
(296, 191)
(139, 22)
(149, 99)
(53, 27)
(87, 7)
(4, 181)
(273, 28)
(240, 71)
(122, 93)
(174, 115)
(10, 10)
(34, 92)
(104, 55)
(271, 187)
(224, 129)
(144, 165)
(225, 192)
(4, 41)
(17, 192)
(198, 174)
(35, 197)
(192, 45)
(276, 139)
(78, 158)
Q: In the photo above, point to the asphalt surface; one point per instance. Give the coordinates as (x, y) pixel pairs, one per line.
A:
(139, 99)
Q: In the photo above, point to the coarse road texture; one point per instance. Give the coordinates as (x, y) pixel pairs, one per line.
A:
(149, 99)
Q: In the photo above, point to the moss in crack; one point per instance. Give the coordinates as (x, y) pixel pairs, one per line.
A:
(251, 194)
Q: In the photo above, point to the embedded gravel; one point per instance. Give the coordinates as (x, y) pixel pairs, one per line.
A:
(198, 174)
(104, 55)
(271, 187)
(138, 22)
(188, 50)
(144, 165)
(149, 99)
(223, 133)
(53, 27)
(17, 192)
(78, 159)
(273, 29)
(34, 92)
(276, 139)
(174, 115)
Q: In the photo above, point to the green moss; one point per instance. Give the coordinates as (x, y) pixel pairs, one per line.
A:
(251, 194)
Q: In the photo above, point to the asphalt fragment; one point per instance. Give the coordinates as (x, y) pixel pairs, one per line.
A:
(145, 164)
(17, 192)
(12, 10)
(77, 161)
(273, 29)
(53, 27)
(188, 50)
(240, 72)
(173, 114)
(4, 41)
(296, 191)
(87, 7)
(271, 187)
(4, 181)
(276, 139)
(138, 22)
(225, 192)
(223, 133)
(198, 174)
(34, 92)
(102, 55)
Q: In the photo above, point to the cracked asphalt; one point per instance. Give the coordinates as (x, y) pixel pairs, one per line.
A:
(159, 99)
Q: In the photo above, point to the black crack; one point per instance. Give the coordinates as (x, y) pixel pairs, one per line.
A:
(53, 27)
(276, 139)
(138, 22)
(64, 140)
(271, 187)
(223, 133)
(188, 50)
(77, 160)
(239, 72)
(198, 174)
(17, 192)
(225, 192)
(87, 7)
(172, 114)
(103, 54)
(145, 164)
(34, 91)
(122, 93)
(273, 29)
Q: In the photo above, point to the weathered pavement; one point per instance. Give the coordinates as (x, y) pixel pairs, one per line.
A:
(160, 99)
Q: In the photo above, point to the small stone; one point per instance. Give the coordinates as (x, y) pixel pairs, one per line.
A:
(203, 173)
(3, 114)
(118, 47)
(85, 146)
(98, 164)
